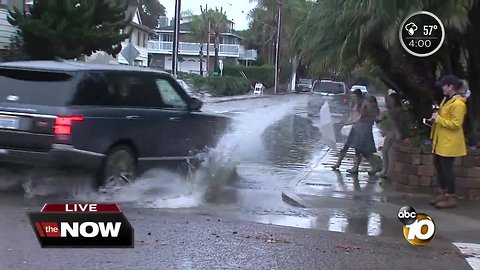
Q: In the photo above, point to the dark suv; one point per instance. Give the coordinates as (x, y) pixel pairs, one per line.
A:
(113, 120)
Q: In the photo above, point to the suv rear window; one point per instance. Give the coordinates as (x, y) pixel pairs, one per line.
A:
(329, 87)
(305, 81)
(36, 87)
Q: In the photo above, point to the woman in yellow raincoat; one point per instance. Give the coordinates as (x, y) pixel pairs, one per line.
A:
(448, 139)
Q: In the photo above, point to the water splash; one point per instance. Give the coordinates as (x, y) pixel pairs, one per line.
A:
(217, 171)
(163, 188)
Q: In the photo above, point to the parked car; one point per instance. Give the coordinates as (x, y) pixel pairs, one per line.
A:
(363, 88)
(304, 85)
(328, 90)
(113, 120)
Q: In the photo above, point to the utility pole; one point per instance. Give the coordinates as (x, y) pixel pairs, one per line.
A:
(176, 30)
(202, 41)
(277, 47)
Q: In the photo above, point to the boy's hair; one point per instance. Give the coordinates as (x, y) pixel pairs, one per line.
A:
(396, 99)
(358, 93)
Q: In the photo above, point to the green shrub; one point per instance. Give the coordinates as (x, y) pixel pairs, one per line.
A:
(227, 86)
(264, 74)
(219, 85)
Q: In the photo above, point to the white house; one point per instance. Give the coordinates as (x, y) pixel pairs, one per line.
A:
(7, 31)
(160, 48)
(138, 39)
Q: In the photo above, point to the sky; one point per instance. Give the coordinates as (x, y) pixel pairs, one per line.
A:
(236, 10)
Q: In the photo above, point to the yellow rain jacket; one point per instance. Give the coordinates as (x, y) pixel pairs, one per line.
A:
(447, 132)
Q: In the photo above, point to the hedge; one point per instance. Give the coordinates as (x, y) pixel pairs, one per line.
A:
(264, 74)
(218, 86)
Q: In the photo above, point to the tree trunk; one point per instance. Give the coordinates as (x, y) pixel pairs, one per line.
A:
(294, 73)
(412, 76)
(473, 38)
(201, 60)
(217, 44)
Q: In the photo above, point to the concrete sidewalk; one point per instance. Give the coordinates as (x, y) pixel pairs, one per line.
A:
(355, 200)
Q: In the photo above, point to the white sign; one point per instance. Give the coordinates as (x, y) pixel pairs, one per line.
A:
(130, 53)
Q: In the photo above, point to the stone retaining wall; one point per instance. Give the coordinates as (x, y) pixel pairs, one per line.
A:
(413, 172)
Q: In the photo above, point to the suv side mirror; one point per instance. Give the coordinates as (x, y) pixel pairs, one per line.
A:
(195, 104)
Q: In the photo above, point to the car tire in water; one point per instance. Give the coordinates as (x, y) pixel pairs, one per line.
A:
(120, 166)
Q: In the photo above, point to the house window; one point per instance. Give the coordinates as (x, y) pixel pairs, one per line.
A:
(139, 38)
(4, 3)
(167, 37)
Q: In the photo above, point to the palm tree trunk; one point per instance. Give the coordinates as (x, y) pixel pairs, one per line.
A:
(201, 60)
(473, 36)
(294, 73)
(217, 45)
(412, 76)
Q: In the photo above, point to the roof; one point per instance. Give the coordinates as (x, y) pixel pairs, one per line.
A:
(143, 28)
(72, 66)
(133, 12)
(183, 27)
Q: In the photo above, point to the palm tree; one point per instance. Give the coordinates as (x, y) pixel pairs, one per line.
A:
(293, 13)
(350, 33)
(199, 30)
(218, 25)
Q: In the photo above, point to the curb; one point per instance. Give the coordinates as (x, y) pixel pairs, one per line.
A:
(293, 199)
(237, 99)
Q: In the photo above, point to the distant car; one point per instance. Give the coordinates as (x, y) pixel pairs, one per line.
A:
(114, 121)
(362, 88)
(304, 85)
(328, 90)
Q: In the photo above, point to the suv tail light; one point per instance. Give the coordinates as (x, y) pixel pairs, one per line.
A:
(63, 124)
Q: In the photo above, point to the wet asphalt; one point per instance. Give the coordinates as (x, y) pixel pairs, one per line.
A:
(243, 222)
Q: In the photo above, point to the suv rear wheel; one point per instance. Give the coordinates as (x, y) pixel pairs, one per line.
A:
(119, 167)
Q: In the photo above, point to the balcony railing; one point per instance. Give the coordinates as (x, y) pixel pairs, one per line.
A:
(186, 48)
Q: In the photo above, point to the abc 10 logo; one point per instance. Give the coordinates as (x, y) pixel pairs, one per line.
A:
(418, 228)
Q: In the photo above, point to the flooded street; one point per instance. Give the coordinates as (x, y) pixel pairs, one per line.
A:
(273, 150)
(272, 168)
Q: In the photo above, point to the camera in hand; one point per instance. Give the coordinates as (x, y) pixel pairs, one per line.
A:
(435, 108)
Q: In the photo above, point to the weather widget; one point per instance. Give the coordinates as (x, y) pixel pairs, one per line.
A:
(422, 34)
